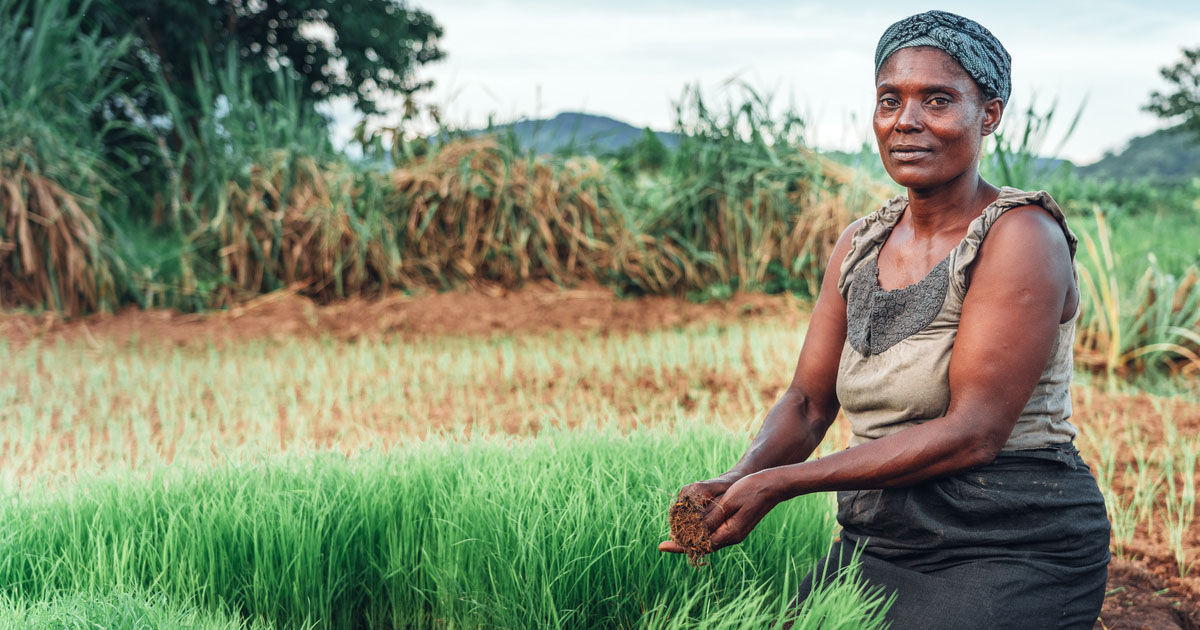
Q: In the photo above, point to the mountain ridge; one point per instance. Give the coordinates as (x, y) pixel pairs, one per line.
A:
(1170, 154)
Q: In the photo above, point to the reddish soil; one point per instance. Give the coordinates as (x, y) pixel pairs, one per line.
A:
(688, 530)
(486, 311)
(1137, 599)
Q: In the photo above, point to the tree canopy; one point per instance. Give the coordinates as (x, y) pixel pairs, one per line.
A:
(1182, 101)
(364, 49)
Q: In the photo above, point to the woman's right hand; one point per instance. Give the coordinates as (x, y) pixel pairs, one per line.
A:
(706, 493)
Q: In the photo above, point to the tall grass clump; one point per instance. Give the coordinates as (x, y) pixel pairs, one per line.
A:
(1020, 155)
(242, 172)
(739, 204)
(742, 203)
(479, 210)
(555, 531)
(1152, 325)
(54, 75)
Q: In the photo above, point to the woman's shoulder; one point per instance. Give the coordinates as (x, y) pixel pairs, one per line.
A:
(1021, 224)
(1024, 212)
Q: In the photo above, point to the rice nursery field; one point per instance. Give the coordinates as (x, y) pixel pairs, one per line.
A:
(519, 479)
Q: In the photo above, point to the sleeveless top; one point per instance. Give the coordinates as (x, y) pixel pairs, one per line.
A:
(894, 368)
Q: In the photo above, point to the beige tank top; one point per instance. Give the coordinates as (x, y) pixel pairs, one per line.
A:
(894, 368)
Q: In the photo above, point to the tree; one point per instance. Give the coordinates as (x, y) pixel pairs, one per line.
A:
(364, 49)
(1184, 101)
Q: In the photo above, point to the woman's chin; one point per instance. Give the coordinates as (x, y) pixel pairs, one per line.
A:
(909, 179)
(914, 178)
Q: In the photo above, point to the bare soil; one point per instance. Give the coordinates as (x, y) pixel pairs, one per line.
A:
(1137, 599)
(481, 312)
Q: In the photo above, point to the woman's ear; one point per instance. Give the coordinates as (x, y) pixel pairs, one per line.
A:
(993, 110)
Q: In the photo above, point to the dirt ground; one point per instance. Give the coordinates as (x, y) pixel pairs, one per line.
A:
(1144, 589)
(1138, 599)
(281, 314)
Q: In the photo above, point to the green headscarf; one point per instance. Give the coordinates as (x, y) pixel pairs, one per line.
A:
(969, 43)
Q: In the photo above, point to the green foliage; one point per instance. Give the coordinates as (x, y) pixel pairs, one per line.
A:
(648, 154)
(54, 73)
(236, 132)
(1184, 101)
(1144, 323)
(118, 611)
(362, 49)
(557, 531)
(1019, 155)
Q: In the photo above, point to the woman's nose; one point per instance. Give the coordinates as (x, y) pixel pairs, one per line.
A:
(909, 118)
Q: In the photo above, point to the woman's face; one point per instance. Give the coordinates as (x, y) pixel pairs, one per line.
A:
(930, 118)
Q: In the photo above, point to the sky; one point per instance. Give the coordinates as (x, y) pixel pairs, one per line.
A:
(632, 59)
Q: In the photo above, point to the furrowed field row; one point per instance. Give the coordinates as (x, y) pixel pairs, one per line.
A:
(75, 409)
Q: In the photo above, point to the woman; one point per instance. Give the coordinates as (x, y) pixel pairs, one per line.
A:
(944, 328)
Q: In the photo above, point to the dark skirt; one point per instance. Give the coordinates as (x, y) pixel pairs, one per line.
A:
(1020, 543)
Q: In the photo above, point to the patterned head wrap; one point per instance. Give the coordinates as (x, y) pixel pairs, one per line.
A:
(969, 43)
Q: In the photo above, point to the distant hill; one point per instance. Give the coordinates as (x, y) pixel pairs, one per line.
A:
(1167, 154)
(583, 133)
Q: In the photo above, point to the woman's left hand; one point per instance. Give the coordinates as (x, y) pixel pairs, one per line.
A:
(740, 509)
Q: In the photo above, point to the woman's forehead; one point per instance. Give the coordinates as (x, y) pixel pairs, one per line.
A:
(923, 65)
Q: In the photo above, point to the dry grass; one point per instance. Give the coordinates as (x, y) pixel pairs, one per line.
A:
(474, 211)
(49, 255)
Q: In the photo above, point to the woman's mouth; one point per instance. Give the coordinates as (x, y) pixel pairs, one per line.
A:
(909, 153)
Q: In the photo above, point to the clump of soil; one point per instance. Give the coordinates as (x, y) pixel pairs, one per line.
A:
(688, 530)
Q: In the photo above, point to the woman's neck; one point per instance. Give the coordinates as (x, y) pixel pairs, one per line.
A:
(934, 210)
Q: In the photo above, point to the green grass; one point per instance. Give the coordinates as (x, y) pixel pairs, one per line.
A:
(118, 611)
(554, 531)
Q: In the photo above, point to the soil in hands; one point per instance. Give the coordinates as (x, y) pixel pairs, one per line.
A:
(688, 530)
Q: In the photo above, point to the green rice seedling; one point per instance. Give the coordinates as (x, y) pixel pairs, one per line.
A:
(1121, 514)
(1147, 475)
(1178, 459)
(118, 611)
(844, 603)
(554, 531)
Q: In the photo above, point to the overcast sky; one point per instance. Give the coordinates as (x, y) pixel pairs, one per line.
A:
(630, 59)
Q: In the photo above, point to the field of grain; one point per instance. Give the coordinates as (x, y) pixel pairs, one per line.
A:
(402, 478)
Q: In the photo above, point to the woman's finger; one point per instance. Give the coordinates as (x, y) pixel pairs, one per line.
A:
(670, 546)
(729, 533)
(717, 515)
